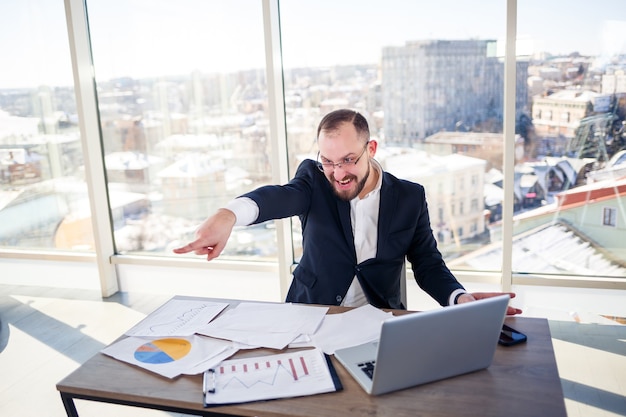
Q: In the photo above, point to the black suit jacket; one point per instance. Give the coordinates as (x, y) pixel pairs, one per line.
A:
(329, 263)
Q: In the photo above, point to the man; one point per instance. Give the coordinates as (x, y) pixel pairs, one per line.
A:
(359, 224)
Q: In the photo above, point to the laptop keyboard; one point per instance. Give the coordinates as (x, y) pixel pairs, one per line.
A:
(368, 368)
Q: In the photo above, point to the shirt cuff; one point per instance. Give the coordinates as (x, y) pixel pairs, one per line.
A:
(455, 293)
(245, 209)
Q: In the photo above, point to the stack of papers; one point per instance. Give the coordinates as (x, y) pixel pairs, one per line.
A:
(186, 336)
(266, 325)
(354, 327)
(165, 342)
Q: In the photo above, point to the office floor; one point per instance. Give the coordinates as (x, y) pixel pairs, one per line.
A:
(46, 333)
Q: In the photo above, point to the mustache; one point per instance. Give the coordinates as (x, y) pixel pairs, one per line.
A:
(345, 177)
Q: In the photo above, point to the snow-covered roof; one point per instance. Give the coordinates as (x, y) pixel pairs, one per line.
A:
(550, 249)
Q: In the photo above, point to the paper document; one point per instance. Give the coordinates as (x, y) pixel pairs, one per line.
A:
(265, 324)
(172, 356)
(354, 327)
(177, 317)
(303, 372)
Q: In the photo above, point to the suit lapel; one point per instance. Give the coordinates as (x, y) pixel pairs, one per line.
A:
(343, 208)
(388, 204)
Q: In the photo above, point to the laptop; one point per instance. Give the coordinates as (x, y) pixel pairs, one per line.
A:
(422, 347)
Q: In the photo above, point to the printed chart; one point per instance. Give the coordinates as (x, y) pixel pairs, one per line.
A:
(302, 372)
(269, 372)
(171, 356)
(163, 351)
(177, 318)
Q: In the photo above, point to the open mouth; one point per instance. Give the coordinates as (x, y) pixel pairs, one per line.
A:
(345, 182)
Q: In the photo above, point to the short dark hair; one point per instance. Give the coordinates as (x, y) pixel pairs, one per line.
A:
(333, 119)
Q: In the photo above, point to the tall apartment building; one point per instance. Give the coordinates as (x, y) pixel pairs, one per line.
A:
(443, 85)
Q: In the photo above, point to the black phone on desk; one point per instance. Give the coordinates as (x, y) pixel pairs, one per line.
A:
(510, 336)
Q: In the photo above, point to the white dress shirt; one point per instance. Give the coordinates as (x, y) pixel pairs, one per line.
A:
(364, 217)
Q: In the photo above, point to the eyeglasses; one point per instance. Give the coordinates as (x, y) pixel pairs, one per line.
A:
(330, 165)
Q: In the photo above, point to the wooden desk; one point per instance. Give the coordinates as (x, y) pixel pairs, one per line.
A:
(523, 380)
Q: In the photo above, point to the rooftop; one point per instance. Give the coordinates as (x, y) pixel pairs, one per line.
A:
(556, 248)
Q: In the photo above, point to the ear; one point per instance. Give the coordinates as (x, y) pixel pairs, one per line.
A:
(371, 147)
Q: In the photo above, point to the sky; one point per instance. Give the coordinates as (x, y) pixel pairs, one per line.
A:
(141, 38)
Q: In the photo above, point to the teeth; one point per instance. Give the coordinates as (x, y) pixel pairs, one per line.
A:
(344, 182)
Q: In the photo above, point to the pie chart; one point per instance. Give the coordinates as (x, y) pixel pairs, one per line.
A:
(162, 351)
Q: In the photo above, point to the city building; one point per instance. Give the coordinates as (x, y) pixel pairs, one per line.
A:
(439, 85)
(559, 114)
(614, 83)
(580, 233)
(454, 191)
(595, 211)
(482, 145)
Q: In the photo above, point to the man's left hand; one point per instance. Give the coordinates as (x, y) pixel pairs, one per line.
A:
(467, 297)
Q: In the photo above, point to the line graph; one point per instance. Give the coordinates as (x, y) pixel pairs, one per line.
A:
(177, 322)
(177, 317)
(301, 372)
(270, 373)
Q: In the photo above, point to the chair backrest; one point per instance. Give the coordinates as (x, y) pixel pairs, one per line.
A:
(403, 285)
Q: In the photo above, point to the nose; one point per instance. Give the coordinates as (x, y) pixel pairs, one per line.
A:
(338, 166)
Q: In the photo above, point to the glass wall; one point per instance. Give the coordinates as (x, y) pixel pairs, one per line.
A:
(183, 109)
(185, 122)
(570, 168)
(43, 195)
(430, 80)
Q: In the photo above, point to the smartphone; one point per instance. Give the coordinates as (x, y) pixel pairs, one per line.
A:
(510, 336)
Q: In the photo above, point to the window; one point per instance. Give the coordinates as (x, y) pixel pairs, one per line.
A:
(609, 216)
(398, 74)
(474, 208)
(184, 118)
(43, 195)
(575, 80)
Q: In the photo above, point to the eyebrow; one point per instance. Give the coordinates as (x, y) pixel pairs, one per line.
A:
(343, 157)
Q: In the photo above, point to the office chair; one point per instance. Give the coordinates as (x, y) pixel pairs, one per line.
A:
(403, 296)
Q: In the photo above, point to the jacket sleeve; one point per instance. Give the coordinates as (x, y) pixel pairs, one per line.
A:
(429, 268)
(282, 201)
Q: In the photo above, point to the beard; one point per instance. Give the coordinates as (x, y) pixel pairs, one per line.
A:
(348, 195)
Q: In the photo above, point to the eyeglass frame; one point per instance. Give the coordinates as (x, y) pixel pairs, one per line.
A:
(328, 165)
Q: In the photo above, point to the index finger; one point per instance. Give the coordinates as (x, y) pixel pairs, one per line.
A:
(184, 249)
(481, 295)
(189, 247)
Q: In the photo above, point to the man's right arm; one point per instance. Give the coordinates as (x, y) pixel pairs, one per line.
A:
(245, 209)
(212, 235)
